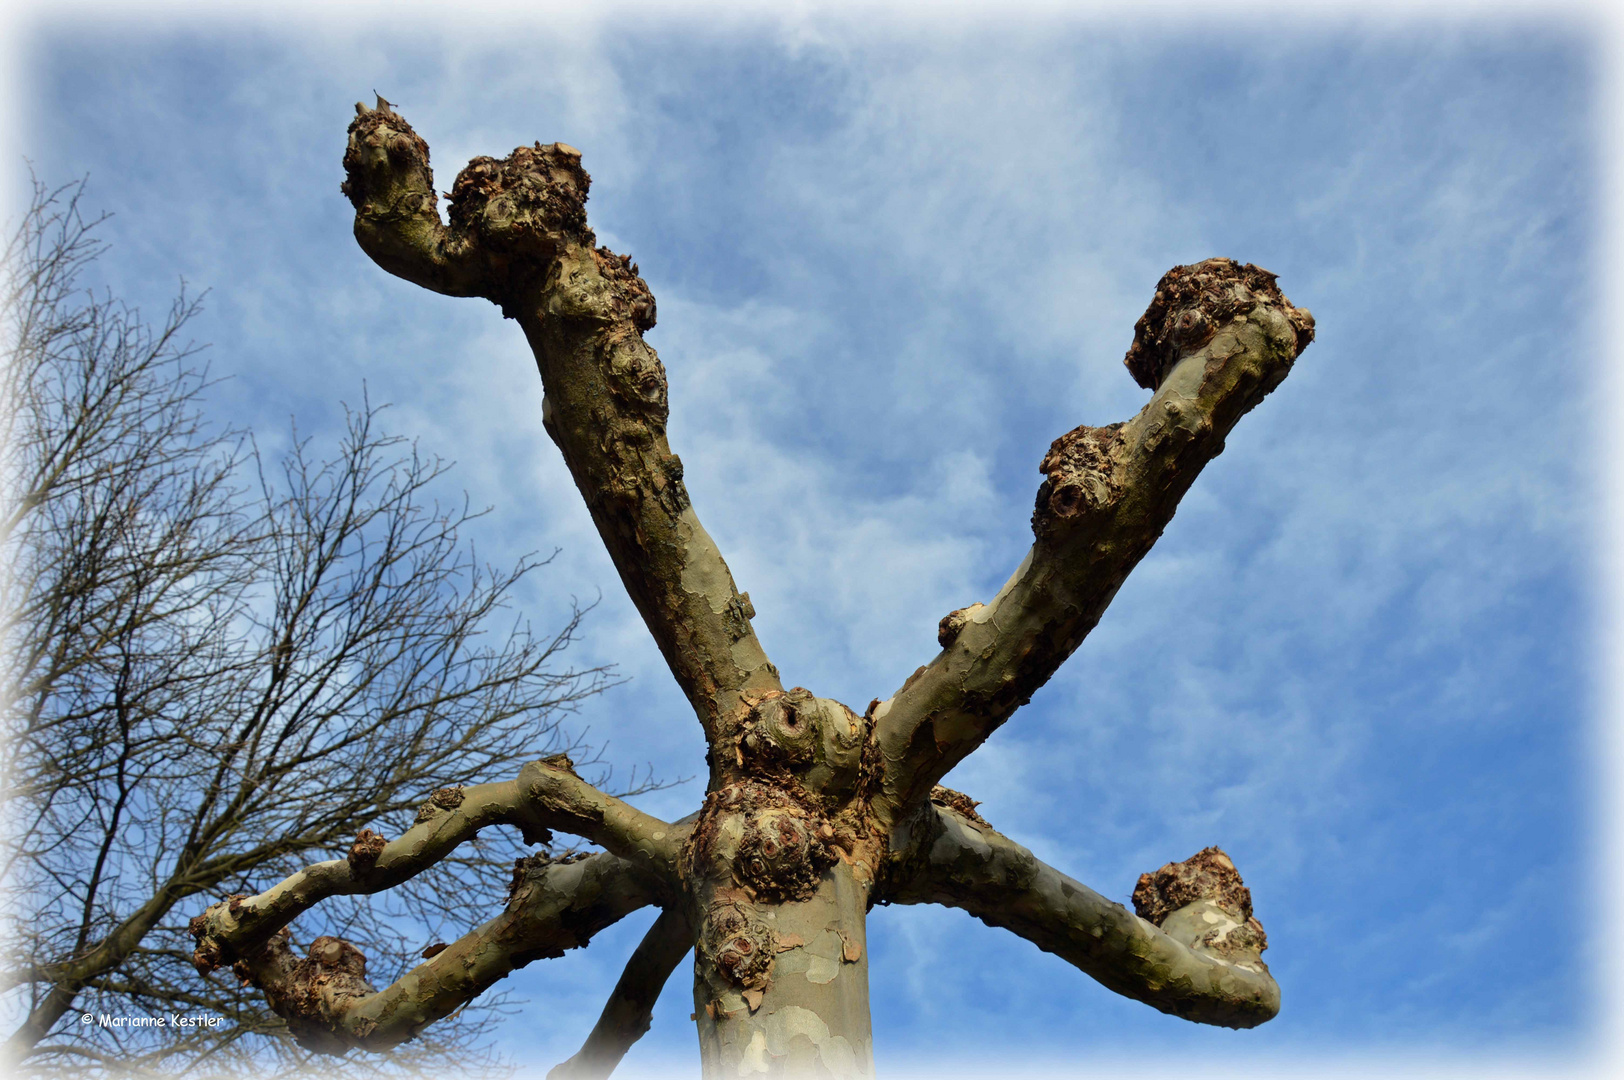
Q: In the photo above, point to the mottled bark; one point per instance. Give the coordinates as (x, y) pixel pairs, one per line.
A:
(1200, 960)
(330, 1007)
(547, 795)
(807, 1012)
(779, 868)
(1216, 339)
(812, 812)
(518, 236)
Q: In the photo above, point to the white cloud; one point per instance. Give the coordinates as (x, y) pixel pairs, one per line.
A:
(889, 272)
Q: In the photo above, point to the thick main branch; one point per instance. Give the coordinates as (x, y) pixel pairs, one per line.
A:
(330, 1007)
(1200, 962)
(546, 795)
(518, 236)
(1217, 339)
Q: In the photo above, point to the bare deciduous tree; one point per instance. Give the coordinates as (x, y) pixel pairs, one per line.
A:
(215, 671)
(814, 812)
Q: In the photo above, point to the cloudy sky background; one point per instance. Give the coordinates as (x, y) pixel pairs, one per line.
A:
(894, 258)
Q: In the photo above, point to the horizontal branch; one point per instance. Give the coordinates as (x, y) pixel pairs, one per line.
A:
(630, 1009)
(555, 905)
(1217, 338)
(1200, 963)
(547, 795)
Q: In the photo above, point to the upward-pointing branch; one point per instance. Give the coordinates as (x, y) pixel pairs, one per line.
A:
(397, 217)
(518, 236)
(1216, 339)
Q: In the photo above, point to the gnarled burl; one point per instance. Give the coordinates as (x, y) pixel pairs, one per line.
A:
(813, 812)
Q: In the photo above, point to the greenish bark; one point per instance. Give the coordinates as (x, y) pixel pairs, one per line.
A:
(547, 795)
(1108, 494)
(518, 236)
(553, 907)
(1201, 961)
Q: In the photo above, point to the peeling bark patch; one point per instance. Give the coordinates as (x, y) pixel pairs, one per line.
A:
(818, 960)
(953, 624)
(534, 867)
(823, 958)
(800, 1035)
(557, 761)
(1192, 303)
(1211, 927)
(754, 1059)
(739, 613)
(521, 869)
(674, 495)
(958, 802)
(740, 945)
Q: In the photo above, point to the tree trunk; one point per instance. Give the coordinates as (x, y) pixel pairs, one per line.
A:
(810, 1015)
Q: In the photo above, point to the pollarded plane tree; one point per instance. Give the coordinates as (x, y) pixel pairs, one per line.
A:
(813, 812)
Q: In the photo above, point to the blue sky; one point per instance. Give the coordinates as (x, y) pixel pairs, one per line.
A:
(894, 258)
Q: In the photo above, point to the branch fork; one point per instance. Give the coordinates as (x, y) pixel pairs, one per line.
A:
(812, 812)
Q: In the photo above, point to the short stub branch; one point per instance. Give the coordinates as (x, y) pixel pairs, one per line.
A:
(397, 216)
